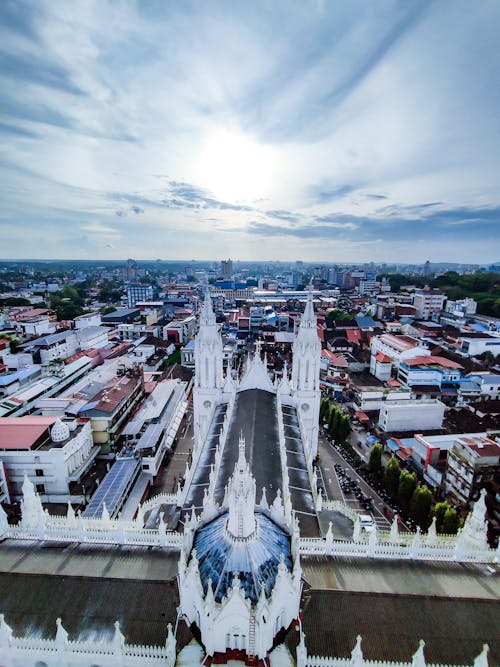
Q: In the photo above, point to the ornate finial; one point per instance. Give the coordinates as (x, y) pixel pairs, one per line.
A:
(241, 448)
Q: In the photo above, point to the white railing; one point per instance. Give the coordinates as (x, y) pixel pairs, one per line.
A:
(357, 659)
(160, 499)
(406, 547)
(92, 531)
(114, 652)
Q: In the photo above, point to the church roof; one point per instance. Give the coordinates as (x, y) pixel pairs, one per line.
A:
(254, 560)
(391, 626)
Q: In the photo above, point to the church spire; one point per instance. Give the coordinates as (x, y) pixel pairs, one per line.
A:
(207, 317)
(241, 498)
(308, 319)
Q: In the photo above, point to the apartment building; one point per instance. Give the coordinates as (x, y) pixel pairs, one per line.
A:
(473, 462)
(427, 302)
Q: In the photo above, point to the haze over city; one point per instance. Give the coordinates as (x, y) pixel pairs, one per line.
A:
(321, 131)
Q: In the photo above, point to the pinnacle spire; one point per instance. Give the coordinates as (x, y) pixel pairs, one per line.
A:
(308, 319)
(207, 314)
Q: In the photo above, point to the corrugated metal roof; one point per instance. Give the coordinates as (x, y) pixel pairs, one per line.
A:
(454, 630)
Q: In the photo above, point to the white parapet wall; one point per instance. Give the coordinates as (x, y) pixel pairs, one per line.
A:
(63, 652)
(357, 659)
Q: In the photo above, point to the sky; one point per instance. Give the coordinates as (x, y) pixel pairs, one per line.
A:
(320, 130)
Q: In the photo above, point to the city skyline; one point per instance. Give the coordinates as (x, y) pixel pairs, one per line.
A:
(327, 132)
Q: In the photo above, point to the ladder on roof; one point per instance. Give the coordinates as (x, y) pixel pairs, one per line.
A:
(251, 638)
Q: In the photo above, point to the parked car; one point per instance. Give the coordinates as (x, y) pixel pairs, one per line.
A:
(367, 523)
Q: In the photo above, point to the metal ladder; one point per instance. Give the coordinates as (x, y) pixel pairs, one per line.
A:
(251, 638)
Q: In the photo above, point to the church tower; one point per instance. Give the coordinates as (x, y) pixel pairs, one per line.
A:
(305, 378)
(208, 371)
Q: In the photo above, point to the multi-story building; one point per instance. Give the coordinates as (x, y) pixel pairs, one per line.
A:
(461, 307)
(473, 462)
(396, 348)
(427, 302)
(179, 331)
(138, 292)
(55, 346)
(226, 268)
(411, 415)
(52, 453)
(430, 371)
(109, 408)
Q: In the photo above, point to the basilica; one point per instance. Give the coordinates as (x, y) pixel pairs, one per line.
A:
(244, 565)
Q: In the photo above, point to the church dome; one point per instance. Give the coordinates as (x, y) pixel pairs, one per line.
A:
(59, 431)
(254, 560)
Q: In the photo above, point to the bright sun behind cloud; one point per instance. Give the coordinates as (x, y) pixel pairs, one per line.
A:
(234, 167)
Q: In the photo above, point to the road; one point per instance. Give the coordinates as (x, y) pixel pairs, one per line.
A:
(328, 458)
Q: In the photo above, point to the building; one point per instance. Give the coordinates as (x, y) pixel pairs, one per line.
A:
(54, 454)
(472, 345)
(461, 307)
(411, 415)
(226, 269)
(488, 384)
(56, 346)
(110, 408)
(152, 430)
(138, 292)
(428, 301)
(179, 331)
(430, 371)
(398, 348)
(473, 462)
(121, 316)
(88, 320)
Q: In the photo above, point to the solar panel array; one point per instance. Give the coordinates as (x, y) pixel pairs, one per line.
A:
(113, 488)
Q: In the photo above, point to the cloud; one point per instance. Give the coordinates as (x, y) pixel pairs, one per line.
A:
(106, 109)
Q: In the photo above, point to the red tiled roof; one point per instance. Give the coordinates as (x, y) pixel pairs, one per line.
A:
(383, 358)
(23, 432)
(335, 359)
(353, 336)
(33, 312)
(433, 361)
(321, 334)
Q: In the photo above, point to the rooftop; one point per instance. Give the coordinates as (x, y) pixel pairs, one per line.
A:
(23, 432)
(254, 560)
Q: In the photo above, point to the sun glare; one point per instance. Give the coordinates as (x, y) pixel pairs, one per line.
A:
(234, 167)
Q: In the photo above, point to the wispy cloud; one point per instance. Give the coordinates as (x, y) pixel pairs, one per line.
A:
(106, 108)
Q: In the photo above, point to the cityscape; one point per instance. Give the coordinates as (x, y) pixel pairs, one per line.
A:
(249, 334)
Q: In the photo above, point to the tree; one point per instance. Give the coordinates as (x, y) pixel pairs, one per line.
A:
(420, 506)
(375, 463)
(406, 487)
(439, 512)
(333, 422)
(324, 410)
(344, 428)
(392, 473)
(450, 522)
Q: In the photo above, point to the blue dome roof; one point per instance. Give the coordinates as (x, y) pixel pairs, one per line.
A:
(255, 560)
